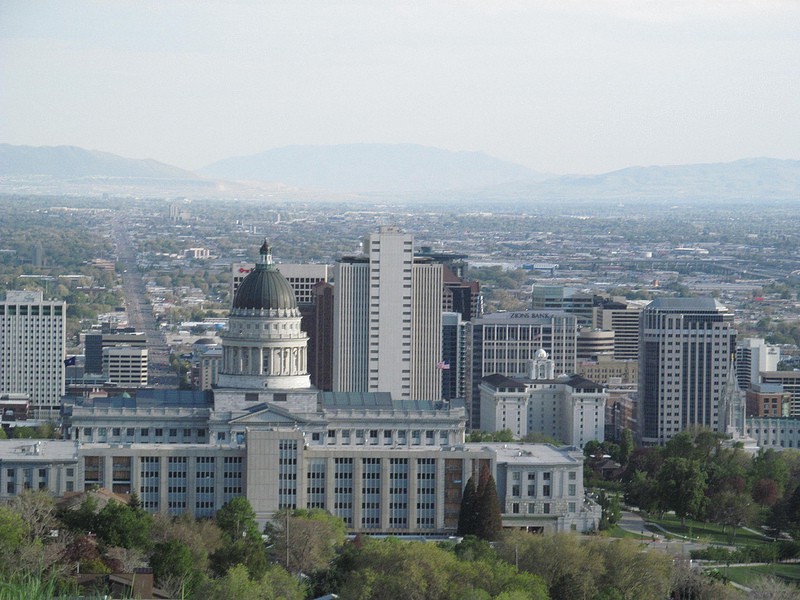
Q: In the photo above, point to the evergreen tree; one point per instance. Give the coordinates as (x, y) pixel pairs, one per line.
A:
(489, 521)
(467, 516)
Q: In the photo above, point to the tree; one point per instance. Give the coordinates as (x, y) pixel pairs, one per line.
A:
(467, 515)
(569, 568)
(307, 539)
(770, 588)
(626, 447)
(611, 511)
(201, 536)
(636, 575)
(642, 491)
(731, 509)
(242, 539)
(682, 483)
(13, 531)
(489, 518)
(84, 518)
(765, 492)
(174, 568)
(38, 510)
(120, 525)
(237, 519)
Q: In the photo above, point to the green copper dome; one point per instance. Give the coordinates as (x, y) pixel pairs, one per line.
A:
(265, 288)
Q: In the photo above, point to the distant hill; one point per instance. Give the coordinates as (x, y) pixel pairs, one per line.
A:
(69, 162)
(754, 178)
(401, 171)
(372, 168)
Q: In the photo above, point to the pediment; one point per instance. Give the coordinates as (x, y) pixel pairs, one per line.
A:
(267, 416)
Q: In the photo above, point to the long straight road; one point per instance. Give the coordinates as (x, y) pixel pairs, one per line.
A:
(140, 310)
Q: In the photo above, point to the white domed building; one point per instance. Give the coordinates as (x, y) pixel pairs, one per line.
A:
(382, 465)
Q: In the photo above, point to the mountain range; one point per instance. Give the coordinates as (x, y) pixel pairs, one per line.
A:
(400, 170)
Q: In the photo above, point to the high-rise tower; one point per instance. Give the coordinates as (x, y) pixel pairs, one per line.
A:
(388, 320)
(32, 341)
(686, 345)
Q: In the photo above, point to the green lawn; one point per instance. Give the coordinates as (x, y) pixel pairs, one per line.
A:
(708, 532)
(748, 575)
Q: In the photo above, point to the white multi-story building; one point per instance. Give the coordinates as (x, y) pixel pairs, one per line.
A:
(504, 343)
(387, 327)
(125, 365)
(569, 408)
(754, 355)
(684, 358)
(32, 347)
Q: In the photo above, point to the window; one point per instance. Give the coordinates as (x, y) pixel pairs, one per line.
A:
(546, 508)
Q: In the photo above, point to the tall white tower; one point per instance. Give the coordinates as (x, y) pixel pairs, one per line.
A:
(32, 342)
(684, 360)
(388, 320)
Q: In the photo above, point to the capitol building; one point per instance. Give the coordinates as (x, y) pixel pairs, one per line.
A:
(383, 465)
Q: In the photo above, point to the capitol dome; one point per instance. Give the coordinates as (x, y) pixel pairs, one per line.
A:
(265, 288)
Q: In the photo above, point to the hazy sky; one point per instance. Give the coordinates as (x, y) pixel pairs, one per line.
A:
(561, 86)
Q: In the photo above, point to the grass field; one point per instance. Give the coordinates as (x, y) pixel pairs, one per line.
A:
(748, 575)
(708, 532)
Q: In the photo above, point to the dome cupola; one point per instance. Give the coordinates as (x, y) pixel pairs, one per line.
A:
(265, 288)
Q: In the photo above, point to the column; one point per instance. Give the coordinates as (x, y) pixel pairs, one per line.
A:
(385, 498)
(412, 493)
(358, 482)
(439, 483)
(163, 484)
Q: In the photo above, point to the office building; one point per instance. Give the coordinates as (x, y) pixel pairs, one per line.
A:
(210, 366)
(790, 381)
(566, 299)
(387, 325)
(32, 350)
(125, 366)
(454, 356)
(504, 344)
(606, 369)
(592, 343)
(768, 400)
(622, 317)
(684, 359)
(754, 355)
(94, 342)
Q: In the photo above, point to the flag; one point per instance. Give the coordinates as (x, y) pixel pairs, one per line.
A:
(443, 365)
(70, 362)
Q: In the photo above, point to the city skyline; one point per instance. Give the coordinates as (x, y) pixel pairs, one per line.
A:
(571, 87)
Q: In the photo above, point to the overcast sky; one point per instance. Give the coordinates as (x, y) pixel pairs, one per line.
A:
(564, 86)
